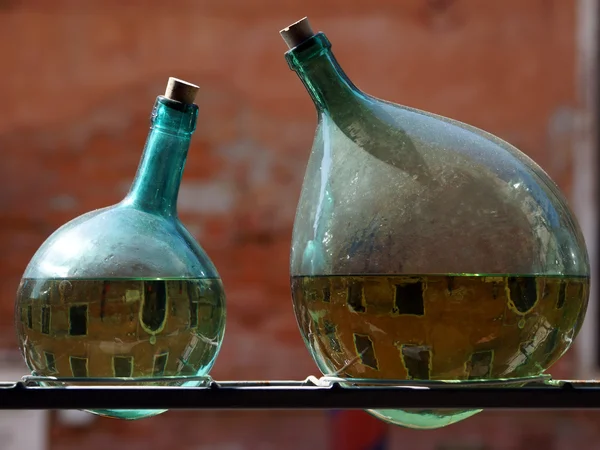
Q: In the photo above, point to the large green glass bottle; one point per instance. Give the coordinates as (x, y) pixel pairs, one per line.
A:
(126, 291)
(424, 248)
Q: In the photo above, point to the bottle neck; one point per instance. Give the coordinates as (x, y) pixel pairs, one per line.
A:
(329, 87)
(363, 119)
(156, 184)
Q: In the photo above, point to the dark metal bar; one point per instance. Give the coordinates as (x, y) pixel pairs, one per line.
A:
(302, 395)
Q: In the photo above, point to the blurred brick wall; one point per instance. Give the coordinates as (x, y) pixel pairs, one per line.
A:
(78, 82)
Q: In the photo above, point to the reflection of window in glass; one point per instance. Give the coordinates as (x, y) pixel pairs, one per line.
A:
(366, 351)
(45, 319)
(79, 366)
(356, 298)
(153, 312)
(193, 314)
(160, 363)
(29, 316)
(123, 366)
(417, 361)
(522, 293)
(327, 294)
(78, 320)
(480, 364)
(562, 293)
(408, 299)
(50, 361)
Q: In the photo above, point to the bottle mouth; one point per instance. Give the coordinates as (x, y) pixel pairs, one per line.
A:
(175, 104)
(173, 116)
(308, 49)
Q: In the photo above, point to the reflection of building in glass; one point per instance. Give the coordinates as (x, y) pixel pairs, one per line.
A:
(120, 328)
(439, 326)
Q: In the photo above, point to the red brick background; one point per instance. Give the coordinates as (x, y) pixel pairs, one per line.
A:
(78, 82)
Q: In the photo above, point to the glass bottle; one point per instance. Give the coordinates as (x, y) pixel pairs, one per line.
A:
(126, 291)
(424, 248)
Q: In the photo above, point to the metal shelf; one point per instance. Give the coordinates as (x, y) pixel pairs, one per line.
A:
(312, 393)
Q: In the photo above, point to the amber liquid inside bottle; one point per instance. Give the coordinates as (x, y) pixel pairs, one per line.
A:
(438, 327)
(120, 327)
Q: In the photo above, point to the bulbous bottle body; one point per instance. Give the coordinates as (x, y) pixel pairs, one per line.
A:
(125, 291)
(424, 248)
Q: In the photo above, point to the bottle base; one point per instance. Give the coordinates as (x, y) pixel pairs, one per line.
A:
(422, 419)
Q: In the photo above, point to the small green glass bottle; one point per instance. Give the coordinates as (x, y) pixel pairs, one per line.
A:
(125, 291)
(424, 248)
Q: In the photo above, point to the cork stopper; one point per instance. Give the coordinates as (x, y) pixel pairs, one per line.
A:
(297, 33)
(181, 91)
